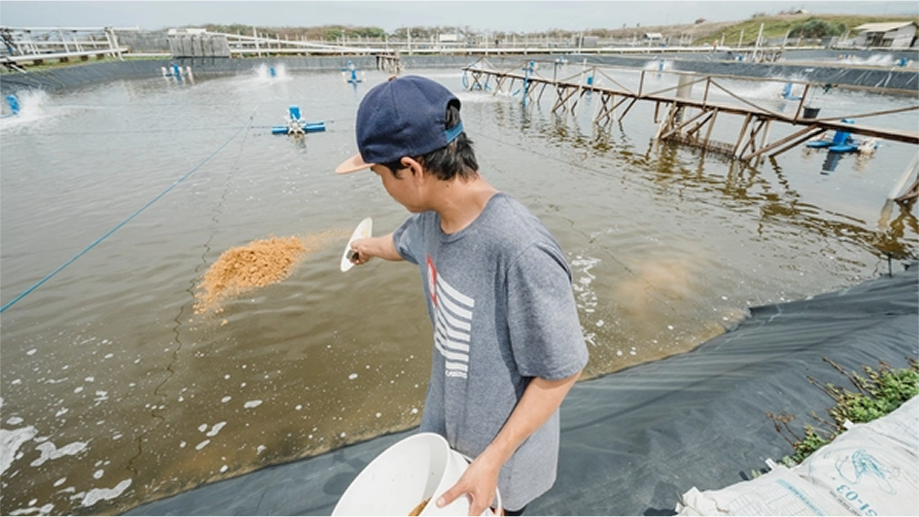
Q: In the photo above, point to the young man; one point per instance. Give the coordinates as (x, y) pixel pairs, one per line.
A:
(507, 341)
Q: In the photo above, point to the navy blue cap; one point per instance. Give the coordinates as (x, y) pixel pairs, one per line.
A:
(401, 117)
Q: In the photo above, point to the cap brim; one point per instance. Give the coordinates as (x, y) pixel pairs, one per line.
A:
(353, 164)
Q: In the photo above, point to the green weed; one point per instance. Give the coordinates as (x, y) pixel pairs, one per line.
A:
(880, 393)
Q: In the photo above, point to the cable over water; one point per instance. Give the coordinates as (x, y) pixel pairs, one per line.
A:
(126, 221)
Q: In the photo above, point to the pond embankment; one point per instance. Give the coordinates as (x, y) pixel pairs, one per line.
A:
(861, 69)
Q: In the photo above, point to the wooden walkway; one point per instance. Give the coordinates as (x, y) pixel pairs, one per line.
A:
(37, 45)
(685, 118)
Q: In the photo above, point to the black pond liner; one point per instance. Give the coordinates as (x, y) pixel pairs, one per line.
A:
(718, 63)
(634, 441)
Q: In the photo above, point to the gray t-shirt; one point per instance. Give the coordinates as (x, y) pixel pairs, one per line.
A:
(500, 298)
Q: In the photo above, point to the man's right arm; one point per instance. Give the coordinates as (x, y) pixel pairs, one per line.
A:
(370, 247)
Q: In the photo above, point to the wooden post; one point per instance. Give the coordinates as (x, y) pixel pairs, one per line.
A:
(765, 139)
(795, 139)
(743, 131)
(913, 165)
(802, 101)
(627, 108)
(711, 125)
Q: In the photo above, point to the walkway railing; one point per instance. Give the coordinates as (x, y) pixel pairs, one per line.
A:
(40, 44)
(680, 114)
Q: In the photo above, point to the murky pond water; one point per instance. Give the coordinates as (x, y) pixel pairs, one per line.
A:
(115, 391)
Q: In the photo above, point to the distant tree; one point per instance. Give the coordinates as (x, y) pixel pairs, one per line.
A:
(815, 28)
(235, 28)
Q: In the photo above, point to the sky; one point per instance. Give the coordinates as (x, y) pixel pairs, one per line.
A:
(508, 16)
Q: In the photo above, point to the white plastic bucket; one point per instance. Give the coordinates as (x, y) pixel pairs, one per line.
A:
(418, 468)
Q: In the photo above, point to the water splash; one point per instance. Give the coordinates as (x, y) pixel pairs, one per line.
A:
(276, 72)
(885, 60)
(31, 108)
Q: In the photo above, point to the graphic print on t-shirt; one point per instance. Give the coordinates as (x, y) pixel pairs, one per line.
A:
(452, 323)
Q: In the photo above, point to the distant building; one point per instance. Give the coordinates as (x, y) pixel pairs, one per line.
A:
(587, 41)
(888, 34)
(451, 38)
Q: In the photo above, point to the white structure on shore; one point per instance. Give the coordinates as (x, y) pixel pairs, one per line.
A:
(888, 34)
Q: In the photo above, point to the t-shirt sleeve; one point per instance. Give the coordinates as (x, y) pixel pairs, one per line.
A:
(545, 331)
(407, 237)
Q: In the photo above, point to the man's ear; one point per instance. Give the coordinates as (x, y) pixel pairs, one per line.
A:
(414, 167)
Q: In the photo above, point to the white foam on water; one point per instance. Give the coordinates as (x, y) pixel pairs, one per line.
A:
(50, 452)
(216, 429)
(252, 403)
(44, 510)
(101, 396)
(585, 297)
(10, 441)
(98, 494)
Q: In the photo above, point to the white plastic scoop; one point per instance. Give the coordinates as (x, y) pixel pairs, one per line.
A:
(363, 230)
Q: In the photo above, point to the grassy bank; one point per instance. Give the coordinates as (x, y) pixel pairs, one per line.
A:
(775, 27)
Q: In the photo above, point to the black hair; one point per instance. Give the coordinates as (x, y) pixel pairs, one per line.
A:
(455, 159)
